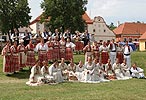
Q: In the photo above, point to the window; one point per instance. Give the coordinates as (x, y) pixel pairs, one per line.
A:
(145, 45)
(93, 30)
(104, 30)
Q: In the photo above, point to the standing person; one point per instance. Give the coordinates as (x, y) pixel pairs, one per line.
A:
(42, 49)
(15, 36)
(15, 58)
(62, 47)
(127, 52)
(104, 53)
(113, 49)
(50, 49)
(56, 50)
(67, 35)
(27, 37)
(44, 35)
(120, 55)
(56, 35)
(88, 51)
(86, 37)
(7, 58)
(38, 37)
(95, 49)
(22, 56)
(30, 60)
(69, 49)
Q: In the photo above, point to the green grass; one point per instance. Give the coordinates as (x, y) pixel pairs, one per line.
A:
(14, 88)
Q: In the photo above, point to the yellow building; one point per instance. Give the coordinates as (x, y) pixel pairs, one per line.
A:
(142, 42)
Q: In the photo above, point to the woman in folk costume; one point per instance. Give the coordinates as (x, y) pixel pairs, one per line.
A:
(35, 78)
(120, 55)
(63, 66)
(50, 49)
(69, 50)
(104, 53)
(22, 56)
(110, 73)
(56, 50)
(125, 69)
(80, 71)
(15, 58)
(55, 72)
(7, 58)
(62, 47)
(95, 49)
(30, 60)
(88, 51)
(42, 49)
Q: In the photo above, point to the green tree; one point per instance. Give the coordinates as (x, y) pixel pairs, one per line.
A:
(112, 26)
(65, 13)
(13, 14)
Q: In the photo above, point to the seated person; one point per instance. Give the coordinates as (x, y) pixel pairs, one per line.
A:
(136, 71)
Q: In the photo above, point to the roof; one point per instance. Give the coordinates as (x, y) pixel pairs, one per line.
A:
(143, 37)
(131, 28)
(84, 16)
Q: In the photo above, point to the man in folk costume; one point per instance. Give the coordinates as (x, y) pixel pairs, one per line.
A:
(27, 37)
(15, 58)
(42, 49)
(50, 49)
(113, 48)
(127, 52)
(22, 56)
(30, 60)
(56, 34)
(15, 36)
(95, 50)
(120, 54)
(38, 37)
(44, 35)
(88, 51)
(67, 34)
(69, 49)
(62, 47)
(86, 37)
(104, 53)
(7, 58)
(56, 50)
(55, 72)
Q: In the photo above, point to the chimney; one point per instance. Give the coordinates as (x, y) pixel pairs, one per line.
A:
(118, 23)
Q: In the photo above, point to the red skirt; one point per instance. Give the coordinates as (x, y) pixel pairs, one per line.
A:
(30, 58)
(42, 56)
(50, 54)
(69, 54)
(120, 57)
(56, 52)
(79, 46)
(15, 63)
(62, 53)
(104, 57)
(96, 55)
(22, 59)
(7, 67)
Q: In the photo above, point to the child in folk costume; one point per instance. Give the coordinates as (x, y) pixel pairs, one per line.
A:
(35, 78)
(55, 72)
(120, 55)
(104, 53)
(62, 47)
(69, 50)
(30, 61)
(50, 49)
(95, 49)
(42, 49)
(137, 72)
(15, 58)
(88, 51)
(56, 50)
(22, 56)
(125, 69)
(6, 53)
(110, 73)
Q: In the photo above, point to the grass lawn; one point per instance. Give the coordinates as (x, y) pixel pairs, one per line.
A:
(14, 88)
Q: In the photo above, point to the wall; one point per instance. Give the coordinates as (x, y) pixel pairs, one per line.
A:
(142, 45)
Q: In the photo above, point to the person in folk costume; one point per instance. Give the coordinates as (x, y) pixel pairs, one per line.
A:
(22, 57)
(127, 51)
(62, 47)
(113, 51)
(7, 58)
(104, 53)
(63, 66)
(110, 73)
(42, 49)
(69, 50)
(27, 37)
(67, 35)
(50, 49)
(95, 50)
(38, 37)
(55, 72)
(30, 60)
(56, 49)
(15, 36)
(125, 69)
(49, 33)
(71, 70)
(86, 37)
(56, 35)
(35, 78)
(88, 51)
(120, 55)
(44, 35)
(137, 72)
(45, 72)
(15, 58)
(117, 68)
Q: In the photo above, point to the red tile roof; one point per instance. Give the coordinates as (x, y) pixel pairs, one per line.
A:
(131, 28)
(84, 16)
(143, 37)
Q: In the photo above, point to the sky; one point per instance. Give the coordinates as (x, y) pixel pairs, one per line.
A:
(111, 10)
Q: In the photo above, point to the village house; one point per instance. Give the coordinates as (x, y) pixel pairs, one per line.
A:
(142, 42)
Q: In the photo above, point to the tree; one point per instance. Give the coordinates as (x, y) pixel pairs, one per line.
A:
(13, 14)
(111, 26)
(65, 13)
